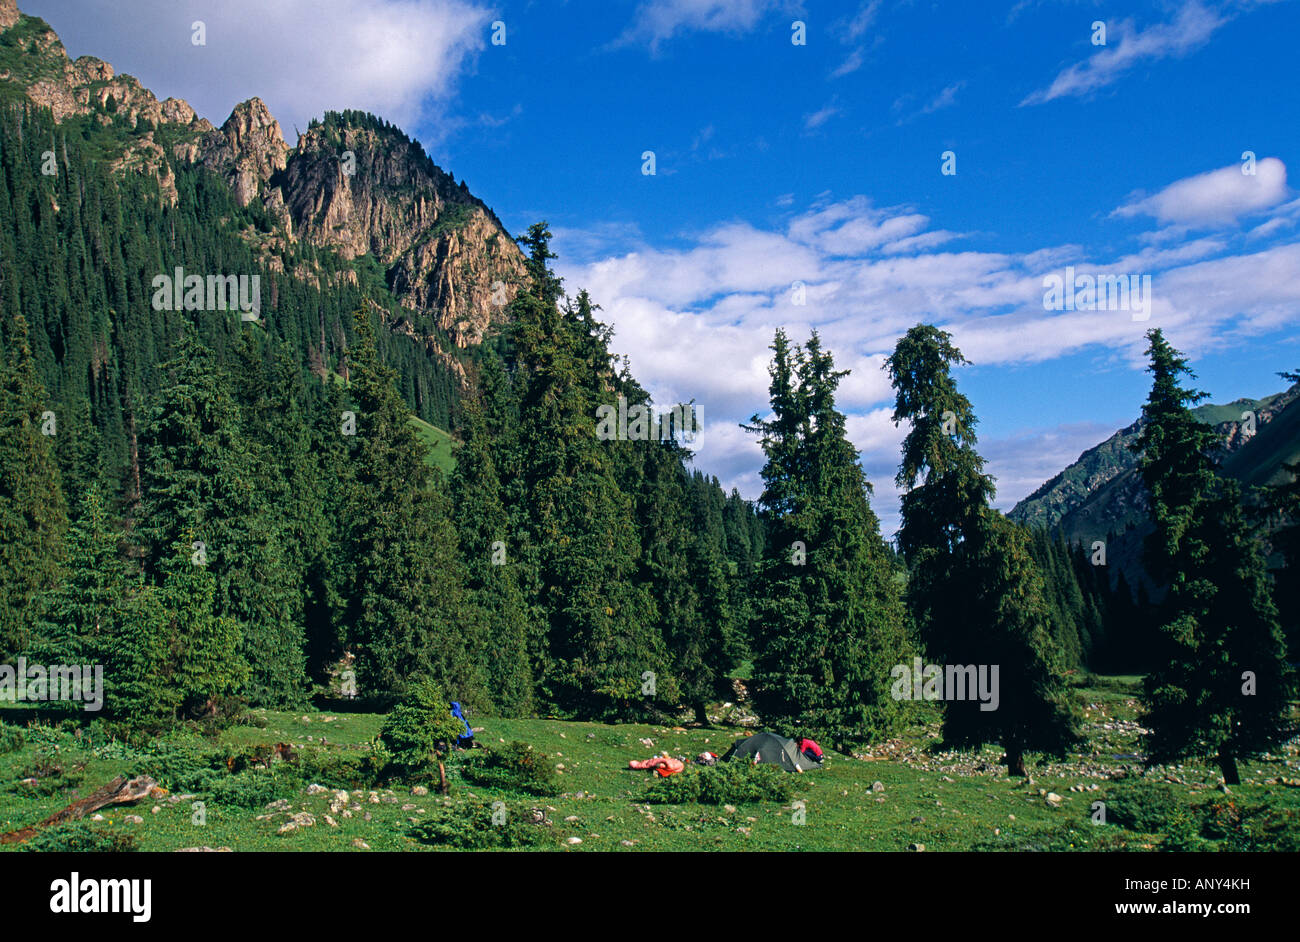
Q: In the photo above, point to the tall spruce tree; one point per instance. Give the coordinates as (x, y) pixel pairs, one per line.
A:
(491, 554)
(140, 677)
(601, 635)
(84, 614)
(200, 476)
(210, 667)
(277, 433)
(974, 589)
(408, 591)
(829, 617)
(1221, 684)
(691, 608)
(33, 515)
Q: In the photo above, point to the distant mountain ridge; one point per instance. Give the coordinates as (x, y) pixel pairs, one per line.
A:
(1102, 491)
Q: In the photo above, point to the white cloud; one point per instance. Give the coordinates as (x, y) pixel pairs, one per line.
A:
(916, 243)
(861, 21)
(815, 120)
(696, 322)
(1190, 29)
(657, 21)
(1265, 229)
(400, 59)
(850, 64)
(1218, 197)
(944, 99)
(854, 227)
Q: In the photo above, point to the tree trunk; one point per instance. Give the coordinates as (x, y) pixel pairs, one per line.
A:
(1228, 766)
(120, 791)
(442, 778)
(1015, 759)
(701, 714)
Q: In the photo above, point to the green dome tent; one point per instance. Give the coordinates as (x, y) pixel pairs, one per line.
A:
(771, 748)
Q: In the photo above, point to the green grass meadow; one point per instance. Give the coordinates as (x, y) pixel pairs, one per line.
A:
(924, 799)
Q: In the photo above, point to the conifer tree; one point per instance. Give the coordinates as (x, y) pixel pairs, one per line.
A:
(140, 677)
(601, 636)
(407, 594)
(975, 591)
(210, 667)
(33, 516)
(84, 613)
(201, 477)
(691, 610)
(491, 561)
(829, 618)
(328, 576)
(1221, 684)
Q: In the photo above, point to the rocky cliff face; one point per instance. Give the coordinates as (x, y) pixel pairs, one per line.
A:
(247, 150)
(37, 63)
(364, 188)
(353, 184)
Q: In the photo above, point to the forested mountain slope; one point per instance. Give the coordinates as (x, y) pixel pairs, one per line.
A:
(224, 366)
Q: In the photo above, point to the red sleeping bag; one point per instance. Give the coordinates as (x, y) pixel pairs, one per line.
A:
(664, 765)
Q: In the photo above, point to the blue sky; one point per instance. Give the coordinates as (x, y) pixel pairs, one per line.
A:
(821, 163)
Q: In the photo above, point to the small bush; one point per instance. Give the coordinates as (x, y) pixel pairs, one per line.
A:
(409, 738)
(47, 776)
(724, 783)
(1250, 827)
(11, 739)
(1142, 805)
(80, 837)
(48, 734)
(251, 789)
(117, 750)
(516, 767)
(473, 825)
(351, 769)
(253, 719)
(182, 764)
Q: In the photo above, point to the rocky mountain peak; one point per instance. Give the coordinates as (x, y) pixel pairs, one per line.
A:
(361, 186)
(251, 125)
(354, 183)
(247, 150)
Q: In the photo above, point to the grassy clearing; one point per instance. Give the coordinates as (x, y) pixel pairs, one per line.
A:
(944, 801)
(439, 443)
